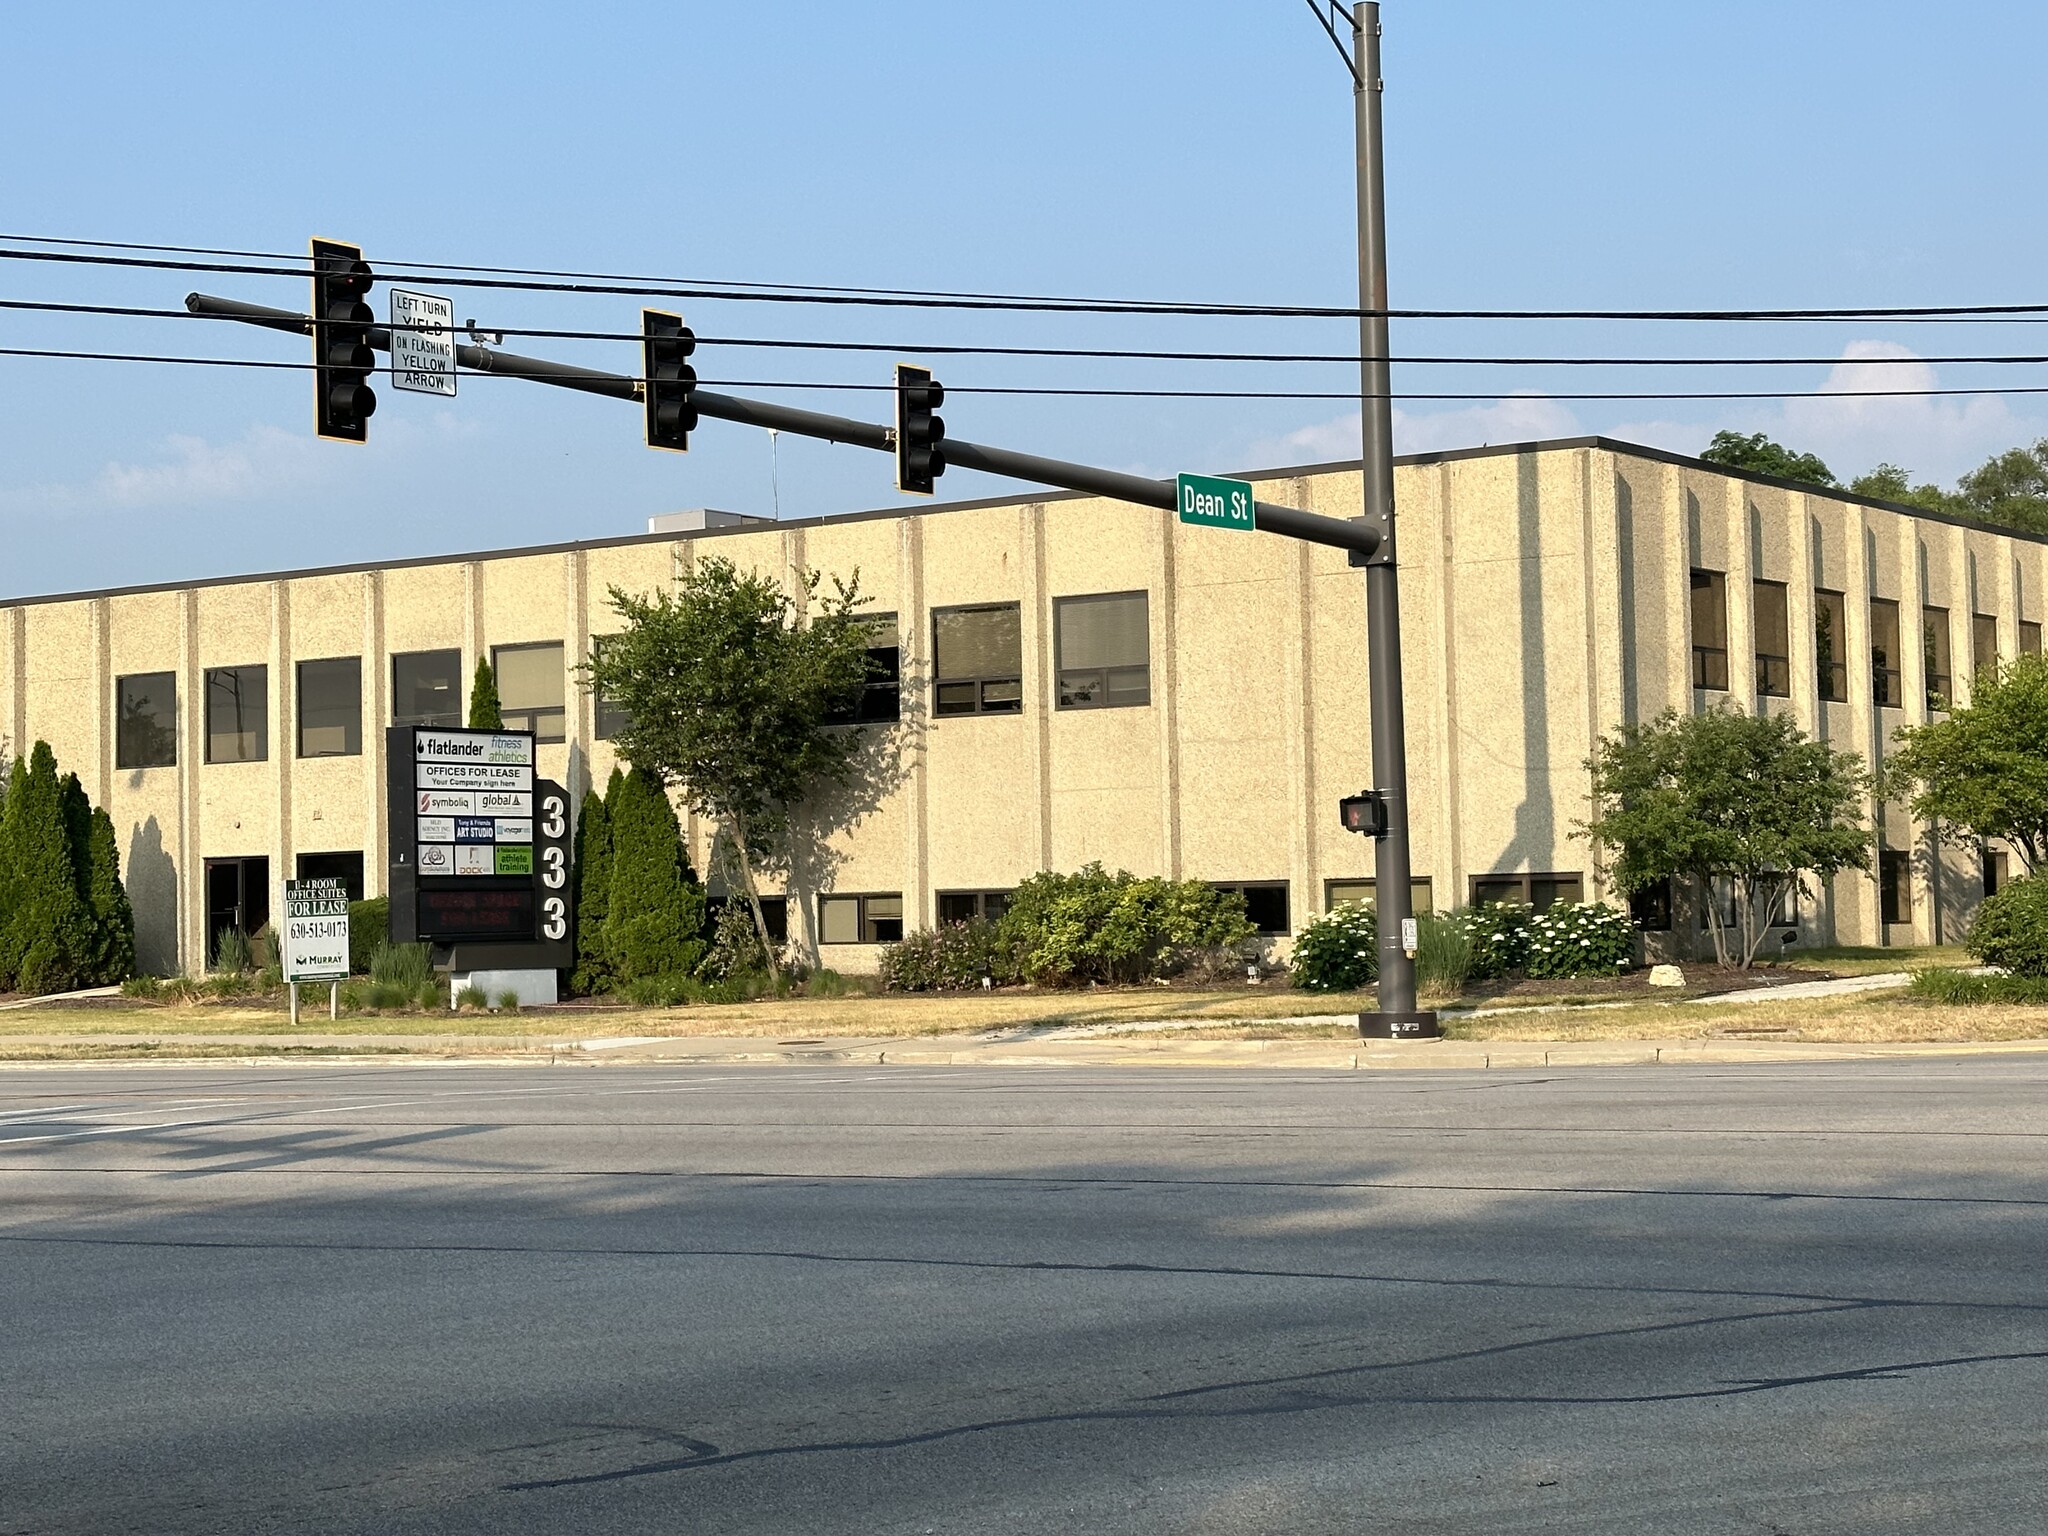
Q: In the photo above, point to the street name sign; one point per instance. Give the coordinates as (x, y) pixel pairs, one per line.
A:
(315, 931)
(422, 343)
(1211, 502)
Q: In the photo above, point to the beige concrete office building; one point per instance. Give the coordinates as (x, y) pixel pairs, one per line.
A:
(1084, 680)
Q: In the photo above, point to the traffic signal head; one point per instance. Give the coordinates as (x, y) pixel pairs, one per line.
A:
(920, 430)
(342, 356)
(665, 347)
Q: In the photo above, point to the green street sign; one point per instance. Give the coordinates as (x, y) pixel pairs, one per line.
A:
(1215, 503)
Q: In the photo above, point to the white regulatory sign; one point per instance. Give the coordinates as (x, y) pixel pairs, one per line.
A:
(422, 343)
(315, 930)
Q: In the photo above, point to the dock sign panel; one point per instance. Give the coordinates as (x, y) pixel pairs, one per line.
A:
(1216, 503)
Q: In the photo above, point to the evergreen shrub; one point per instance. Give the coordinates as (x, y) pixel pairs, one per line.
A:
(485, 712)
(593, 973)
(655, 907)
(1337, 951)
(369, 929)
(1064, 930)
(2010, 930)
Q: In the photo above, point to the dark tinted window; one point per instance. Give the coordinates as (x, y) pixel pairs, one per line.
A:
(1265, 903)
(146, 725)
(345, 867)
(331, 707)
(1104, 650)
(237, 714)
(978, 660)
(426, 689)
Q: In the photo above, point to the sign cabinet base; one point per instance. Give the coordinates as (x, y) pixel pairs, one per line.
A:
(536, 989)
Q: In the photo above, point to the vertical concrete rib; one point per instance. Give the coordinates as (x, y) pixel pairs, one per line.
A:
(1677, 586)
(1166, 658)
(1037, 624)
(1599, 618)
(189, 927)
(376, 710)
(1806, 710)
(17, 682)
(1741, 584)
(284, 748)
(913, 628)
(106, 707)
(1863, 713)
(581, 712)
(1300, 734)
(1451, 843)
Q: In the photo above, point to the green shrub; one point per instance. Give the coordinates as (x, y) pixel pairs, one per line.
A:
(387, 994)
(369, 925)
(675, 991)
(113, 918)
(1579, 938)
(593, 972)
(655, 905)
(736, 948)
(509, 999)
(1061, 930)
(1443, 954)
(2011, 928)
(1937, 985)
(1499, 932)
(142, 986)
(826, 982)
(46, 928)
(431, 994)
(1338, 951)
(231, 952)
(945, 958)
(408, 967)
(472, 997)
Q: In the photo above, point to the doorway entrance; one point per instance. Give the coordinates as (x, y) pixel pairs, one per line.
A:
(237, 897)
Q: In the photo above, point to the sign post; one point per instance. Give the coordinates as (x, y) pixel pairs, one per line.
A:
(315, 939)
(1210, 502)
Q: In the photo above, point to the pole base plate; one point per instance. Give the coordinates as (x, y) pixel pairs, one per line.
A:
(1399, 1026)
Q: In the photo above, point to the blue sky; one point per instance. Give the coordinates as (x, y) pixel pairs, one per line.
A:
(1783, 154)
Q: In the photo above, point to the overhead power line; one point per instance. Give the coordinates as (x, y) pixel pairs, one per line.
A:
(1116, 353)
(761, 293)
(1139, 394)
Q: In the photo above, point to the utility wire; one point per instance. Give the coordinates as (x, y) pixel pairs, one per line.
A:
(759, 293)
(511, 372)
(1119, 353)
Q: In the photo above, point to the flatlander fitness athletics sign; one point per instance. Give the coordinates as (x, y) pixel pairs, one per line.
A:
(479, 848)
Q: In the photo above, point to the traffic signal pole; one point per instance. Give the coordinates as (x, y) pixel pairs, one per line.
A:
(1359, 538)
(1392, 867)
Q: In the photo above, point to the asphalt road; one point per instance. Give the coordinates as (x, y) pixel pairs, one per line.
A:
(407, 1299)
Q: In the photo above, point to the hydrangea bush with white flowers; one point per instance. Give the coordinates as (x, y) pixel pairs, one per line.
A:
(1339, 951)
(1585, 938)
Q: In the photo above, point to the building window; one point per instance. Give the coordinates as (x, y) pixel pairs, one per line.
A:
(530, 688)
(426, 689)
(1421, 895)
(237, 714)
(345, 867)
(978, 660)
(1983, 643)
(146, 726)
(1831, 644)
(965, 906)
(1995, 871)
(611, 720)
(1541, 891)
(876, 919)
(1710, 630)
(881, 701)
(2030, 639)
(1650, 906)
(331, 707)
(1265, 903)
(1886, 688)
(1895, 885)
(1935, 655)
(774, 915)
(1773, 640)
(1104, 648)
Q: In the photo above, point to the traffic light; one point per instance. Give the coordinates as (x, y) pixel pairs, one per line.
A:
(665, 347)
(342, 359)
(920, 430)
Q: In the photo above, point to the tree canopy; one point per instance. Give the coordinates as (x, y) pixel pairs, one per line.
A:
(1983, 772)
(1748, 800)
(1759, 455)
(730, 686)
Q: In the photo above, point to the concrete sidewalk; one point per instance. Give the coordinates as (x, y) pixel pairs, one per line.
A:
(975, 1050)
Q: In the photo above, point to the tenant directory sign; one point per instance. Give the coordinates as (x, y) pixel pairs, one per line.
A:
(474, 795)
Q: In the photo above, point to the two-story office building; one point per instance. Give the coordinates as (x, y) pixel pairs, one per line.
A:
(1077, 680)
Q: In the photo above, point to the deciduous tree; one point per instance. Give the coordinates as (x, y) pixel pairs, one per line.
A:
(1982, 774)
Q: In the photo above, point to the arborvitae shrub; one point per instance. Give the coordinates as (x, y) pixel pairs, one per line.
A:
(593, 889)
(485, 713)
(655, 907)
(113, 917)
(47, 943)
